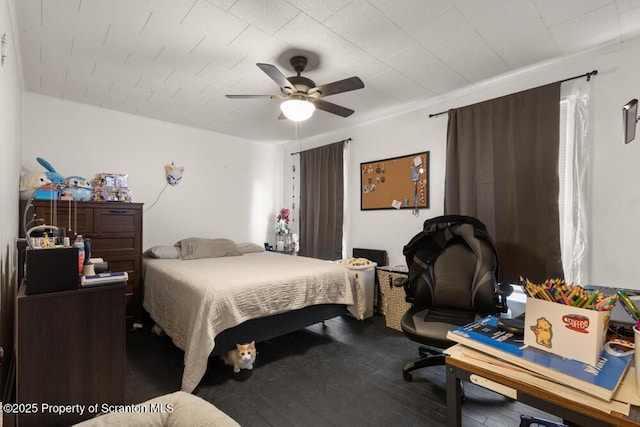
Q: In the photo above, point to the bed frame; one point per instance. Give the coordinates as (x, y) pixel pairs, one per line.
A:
(269, 327)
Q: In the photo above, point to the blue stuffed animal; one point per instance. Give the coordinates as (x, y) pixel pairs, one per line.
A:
(79, 188)
(54, 177)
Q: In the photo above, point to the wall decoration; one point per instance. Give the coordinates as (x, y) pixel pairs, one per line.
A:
(395, 183)
(173, 173)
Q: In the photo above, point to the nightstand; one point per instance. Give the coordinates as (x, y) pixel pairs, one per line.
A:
(70, 350)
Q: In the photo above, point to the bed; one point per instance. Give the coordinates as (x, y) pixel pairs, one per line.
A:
(208, 304)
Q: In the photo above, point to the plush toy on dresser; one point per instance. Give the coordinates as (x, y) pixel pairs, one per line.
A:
(54, 177)
(71, 188)
(56, 183)
(78, 188)
(30, 182)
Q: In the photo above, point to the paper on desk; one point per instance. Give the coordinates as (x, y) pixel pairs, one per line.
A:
(498, 366)
(627, 390)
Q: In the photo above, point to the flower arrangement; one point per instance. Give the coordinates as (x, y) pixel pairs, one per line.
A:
(282, 219)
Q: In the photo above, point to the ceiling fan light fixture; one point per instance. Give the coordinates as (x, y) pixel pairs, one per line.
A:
(297, 109)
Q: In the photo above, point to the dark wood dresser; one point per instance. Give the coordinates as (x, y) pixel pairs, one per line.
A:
(70, 350)
(115, 230)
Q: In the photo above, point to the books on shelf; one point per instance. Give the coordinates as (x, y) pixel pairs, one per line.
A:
(600, 380)
(104, 279)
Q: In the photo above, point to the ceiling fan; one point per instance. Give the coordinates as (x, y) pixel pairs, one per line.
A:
(302, 94)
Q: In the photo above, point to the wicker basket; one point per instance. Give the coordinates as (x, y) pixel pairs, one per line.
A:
(392, 304)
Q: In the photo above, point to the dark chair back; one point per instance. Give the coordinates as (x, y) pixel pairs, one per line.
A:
(452, 265)
(452, 281)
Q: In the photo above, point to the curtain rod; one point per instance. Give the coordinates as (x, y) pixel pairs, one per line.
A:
(337, 142)
(587, 75)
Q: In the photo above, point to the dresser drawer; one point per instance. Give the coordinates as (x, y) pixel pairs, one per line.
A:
(116, 220)
(72, 218)
(111, 244)
(127, 265)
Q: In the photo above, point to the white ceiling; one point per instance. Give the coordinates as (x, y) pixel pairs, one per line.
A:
(174, 60)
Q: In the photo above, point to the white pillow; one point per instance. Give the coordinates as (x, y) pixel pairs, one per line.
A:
(247, 248)
(198, 247)
(162, 252)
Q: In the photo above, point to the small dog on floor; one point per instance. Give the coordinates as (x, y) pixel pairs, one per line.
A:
(242, 357)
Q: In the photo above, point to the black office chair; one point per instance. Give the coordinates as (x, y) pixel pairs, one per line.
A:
(452, 281)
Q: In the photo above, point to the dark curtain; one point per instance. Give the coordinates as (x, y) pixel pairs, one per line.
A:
(502, 168)
(322, 201)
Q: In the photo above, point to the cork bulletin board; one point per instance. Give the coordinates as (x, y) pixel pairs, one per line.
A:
(395, 183)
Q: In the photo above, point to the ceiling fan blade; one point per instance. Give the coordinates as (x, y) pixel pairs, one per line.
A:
(331, 108)
(278, 77)
(253, 96)
(352, 83)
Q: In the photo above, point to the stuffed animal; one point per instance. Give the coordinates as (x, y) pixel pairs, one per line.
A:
(53, 176)
(79, 188)
(30, 181)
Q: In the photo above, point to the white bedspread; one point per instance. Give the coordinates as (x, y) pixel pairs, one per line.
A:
(194, 300)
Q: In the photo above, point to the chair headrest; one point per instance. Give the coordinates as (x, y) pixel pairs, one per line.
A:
(434, 225)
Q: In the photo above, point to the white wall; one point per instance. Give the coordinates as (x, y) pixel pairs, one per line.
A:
(615, 208)
(230, 187)
(10, 117)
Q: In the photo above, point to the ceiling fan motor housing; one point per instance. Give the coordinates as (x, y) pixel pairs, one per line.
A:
(302, 84)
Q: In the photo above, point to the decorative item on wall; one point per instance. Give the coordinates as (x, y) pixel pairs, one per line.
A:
(174, 173)
(395, 183)
(173, 176)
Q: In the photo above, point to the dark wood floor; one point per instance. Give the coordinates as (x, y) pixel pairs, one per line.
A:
(345, 373)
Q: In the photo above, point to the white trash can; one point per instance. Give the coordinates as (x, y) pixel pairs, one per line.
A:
(365, 280)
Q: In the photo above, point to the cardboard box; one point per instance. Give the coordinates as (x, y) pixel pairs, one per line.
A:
(571, 332)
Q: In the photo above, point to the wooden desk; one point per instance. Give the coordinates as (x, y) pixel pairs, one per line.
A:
(571, 411)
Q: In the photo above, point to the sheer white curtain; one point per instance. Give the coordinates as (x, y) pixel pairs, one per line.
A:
(573, 170)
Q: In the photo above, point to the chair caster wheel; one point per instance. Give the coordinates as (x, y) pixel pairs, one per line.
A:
(407, 375)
